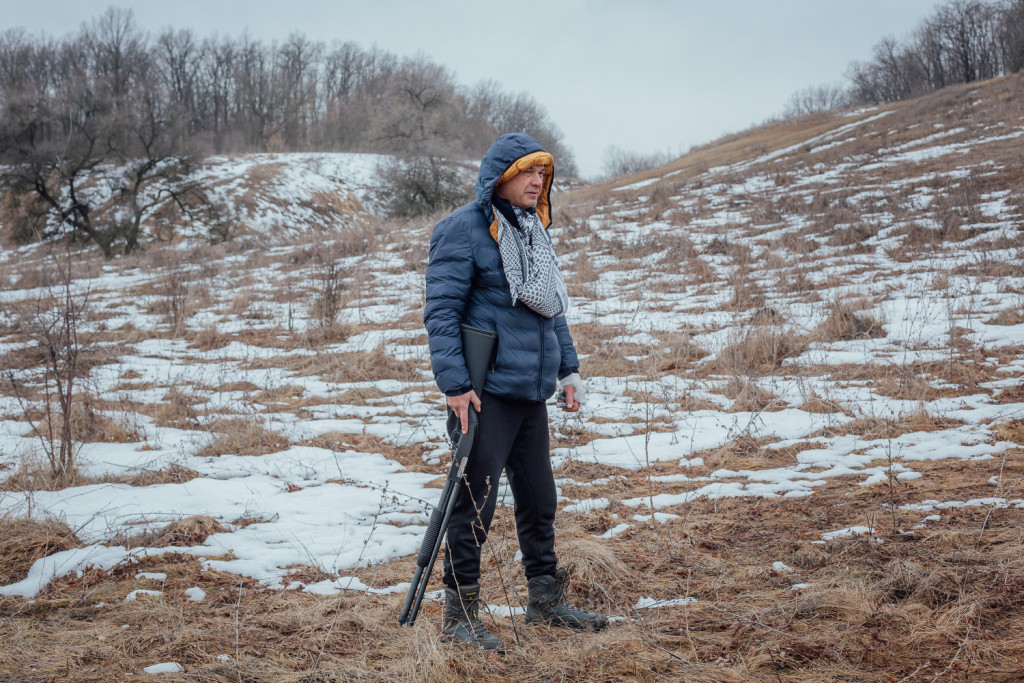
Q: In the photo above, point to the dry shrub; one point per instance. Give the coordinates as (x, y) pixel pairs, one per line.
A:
(798, 280)
(210, 339)
(172, 474)
(176, 410)
(89, 425)
(248, 306)
(718, 246)
(581, 275)
(699, 270)
(854, 234)
(766, 315)
(23, 541)
(906, 384)
(574, 220)
(1007, 316)
(690, 403)
(746, 292)
(757, 349)
(238, 436)
(179, 297)
(916, 239)
(676, 249)
(743, 452)
(912, 581)
(798, 243)
(809, 556)
(1014, 394)
(658, 203)
(329, 289)
(238, 385)
(593, 566)
(291, 397)
(881, 428)
(678, 352)
(323, 335)
(603, 356)
(371, 366)
(182, 533)
(1011, 430)
(34, 473)
(747, 396)
(815, 404)
(834, 603)
(845, 322)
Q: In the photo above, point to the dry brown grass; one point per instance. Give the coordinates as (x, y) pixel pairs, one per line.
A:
(758, 349)
(846, 322)
(1011, 430)
(88, 425)
(940, 603)
(351, 366)
(889, 428)
(240, 436)
(23, 541)
(1007, 316)
(816, 404)
(410, 456)
(172, 474)
(176, 410)
(945, 597)
(1014, 394)
(748, 396)
(187, 532)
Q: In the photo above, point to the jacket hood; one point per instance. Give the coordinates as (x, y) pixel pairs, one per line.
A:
(507, 156)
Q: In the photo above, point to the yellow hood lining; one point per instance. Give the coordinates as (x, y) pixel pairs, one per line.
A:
(543, 202)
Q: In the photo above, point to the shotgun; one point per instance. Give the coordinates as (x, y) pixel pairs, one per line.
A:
(477, 348)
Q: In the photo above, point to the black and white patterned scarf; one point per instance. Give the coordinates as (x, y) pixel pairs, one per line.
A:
(530, 266)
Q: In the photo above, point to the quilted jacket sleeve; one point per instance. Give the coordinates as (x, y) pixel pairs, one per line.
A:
(448, 280)
(570, 363)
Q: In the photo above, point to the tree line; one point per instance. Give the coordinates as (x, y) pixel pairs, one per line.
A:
(962, 41)
(112, 96)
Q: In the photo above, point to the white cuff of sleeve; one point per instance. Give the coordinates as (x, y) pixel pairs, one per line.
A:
(574, 380)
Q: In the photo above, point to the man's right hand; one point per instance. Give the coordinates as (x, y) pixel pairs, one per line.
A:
(460, 406)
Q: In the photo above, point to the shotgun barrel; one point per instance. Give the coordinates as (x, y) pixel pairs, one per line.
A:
(477, 348)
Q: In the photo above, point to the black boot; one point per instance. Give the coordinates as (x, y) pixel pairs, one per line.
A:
(461, 623)
(547, 604)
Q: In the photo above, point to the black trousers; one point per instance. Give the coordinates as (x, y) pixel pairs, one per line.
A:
(512, 436)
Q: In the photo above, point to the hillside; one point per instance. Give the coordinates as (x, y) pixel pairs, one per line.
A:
(801, 456)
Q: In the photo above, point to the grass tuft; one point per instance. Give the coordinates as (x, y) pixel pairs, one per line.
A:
(23, 541)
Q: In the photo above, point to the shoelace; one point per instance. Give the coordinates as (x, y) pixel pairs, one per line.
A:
(478, 629)
(473, 621)
(563, 587)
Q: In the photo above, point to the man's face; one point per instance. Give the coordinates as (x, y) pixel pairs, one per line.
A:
(523, 190)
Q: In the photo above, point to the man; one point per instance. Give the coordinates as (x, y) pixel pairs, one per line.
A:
(492, 267)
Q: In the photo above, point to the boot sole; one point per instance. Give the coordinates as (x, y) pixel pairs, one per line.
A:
(574, 625)
(499, 649)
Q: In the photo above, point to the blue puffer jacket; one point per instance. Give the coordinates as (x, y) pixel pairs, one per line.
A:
(466, 284)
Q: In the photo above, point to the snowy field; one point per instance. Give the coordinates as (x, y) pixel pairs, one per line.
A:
(679, 284)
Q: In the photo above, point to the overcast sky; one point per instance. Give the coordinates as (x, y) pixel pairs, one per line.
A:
(643, 75)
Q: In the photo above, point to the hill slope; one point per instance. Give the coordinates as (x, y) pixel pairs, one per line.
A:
(801, 455)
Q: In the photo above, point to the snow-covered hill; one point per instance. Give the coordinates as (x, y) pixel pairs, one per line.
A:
(819, 312)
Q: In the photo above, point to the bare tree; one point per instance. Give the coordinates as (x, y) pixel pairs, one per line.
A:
(962, 42)
(1011, 36)
(131, 112)
(816, 98)
(619, 162)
